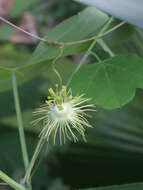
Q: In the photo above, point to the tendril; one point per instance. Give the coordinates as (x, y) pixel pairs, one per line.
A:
(61, 48)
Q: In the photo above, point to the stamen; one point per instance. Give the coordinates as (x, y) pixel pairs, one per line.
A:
(58, 99)
(64, 91)
(52, 93)
(49, 102)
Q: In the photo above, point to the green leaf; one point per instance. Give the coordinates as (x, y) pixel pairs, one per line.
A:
(111, 83)
(122, 34)
(14, 60)
(81, 26)
(121, 9)
(75, 28)
(133, 45)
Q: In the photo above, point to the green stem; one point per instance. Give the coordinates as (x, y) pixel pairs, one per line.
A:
(96, 56)
(19, 120)
(34, 157)
(105, 47)
(10, 181)
(105, 27)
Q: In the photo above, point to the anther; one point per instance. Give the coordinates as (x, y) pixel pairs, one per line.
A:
(48, 102)
(52, 93)
(64, 90)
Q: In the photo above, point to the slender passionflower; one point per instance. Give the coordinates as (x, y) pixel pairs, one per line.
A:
(63, 115)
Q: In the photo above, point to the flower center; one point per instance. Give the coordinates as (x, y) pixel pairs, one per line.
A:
(64, 113)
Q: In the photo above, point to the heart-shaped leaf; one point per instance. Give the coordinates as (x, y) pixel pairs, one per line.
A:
(111, 83)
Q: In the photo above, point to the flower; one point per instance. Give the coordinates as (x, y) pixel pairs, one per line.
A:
(63, 114)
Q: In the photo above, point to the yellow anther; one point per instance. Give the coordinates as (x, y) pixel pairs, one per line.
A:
(64, 90)
(52, 93)
(48, 102)
(60, 107)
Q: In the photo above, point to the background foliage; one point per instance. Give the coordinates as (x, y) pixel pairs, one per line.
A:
(112, 158)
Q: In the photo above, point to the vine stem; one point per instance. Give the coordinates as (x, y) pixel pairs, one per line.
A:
(96, 56)
(105, 47)
(54, 42)
(11, 182)
(105, 27)
(20, 125)
(34, 157)
(19, 121)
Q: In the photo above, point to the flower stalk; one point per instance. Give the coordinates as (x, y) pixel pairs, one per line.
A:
(33, 160)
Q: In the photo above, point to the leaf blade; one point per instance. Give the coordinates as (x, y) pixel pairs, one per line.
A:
(76, 28)
(111, 83)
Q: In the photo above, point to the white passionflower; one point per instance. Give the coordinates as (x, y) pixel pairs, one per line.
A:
(63, 115)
